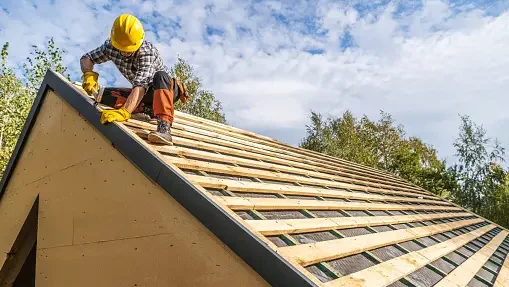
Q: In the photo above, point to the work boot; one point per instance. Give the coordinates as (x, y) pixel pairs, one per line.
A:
(163, 133)
(144, 116)
(141, 117)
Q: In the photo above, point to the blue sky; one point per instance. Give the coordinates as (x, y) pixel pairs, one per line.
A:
(271, 62)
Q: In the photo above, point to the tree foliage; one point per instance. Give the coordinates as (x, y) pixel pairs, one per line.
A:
(380, 144)
(15, 102)
(17, 94)
(477, 181)
(482, 183)
(42, 60)
(201, 103)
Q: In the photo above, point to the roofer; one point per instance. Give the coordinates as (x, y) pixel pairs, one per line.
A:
(139, 61)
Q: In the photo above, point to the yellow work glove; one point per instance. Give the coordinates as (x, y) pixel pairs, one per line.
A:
(120, 115)
(90, 84)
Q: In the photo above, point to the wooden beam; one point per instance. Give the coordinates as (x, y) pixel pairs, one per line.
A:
(203, 124)
(242, 203)
(211, 143)
(195, 133)
(188, 119)
(265, 174)
(256, 187)
(462, 275)
(503, 275)
(213, 156)
(394, 269)
(294, 226)
(308, 254)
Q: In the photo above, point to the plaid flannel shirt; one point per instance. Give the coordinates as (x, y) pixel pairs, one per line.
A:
(138, 68)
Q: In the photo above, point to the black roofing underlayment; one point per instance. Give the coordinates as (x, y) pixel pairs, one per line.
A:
(270, 265)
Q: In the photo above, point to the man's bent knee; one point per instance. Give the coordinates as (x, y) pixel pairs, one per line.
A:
(161, 80)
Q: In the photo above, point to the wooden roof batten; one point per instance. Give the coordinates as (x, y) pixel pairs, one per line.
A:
(302, 218)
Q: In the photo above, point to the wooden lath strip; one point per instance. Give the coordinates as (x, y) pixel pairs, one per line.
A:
(467, 270)
(254, 163)
(213, 126)
(257, 187)
(265, 174)
(308, 254)
(243, 203)
(191, 118)
(198, 144)
(503, 275)
(295, 226)
(183, 135)
(392, 270)
(185, 131)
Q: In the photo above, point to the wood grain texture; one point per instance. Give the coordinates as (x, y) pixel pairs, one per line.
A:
(257, 187)
(271, 175)
(239, 203)
(502, 279)
(295, 226)
(214, 138)
(390, 271)
(466, 271)
(374, 173)
(257, 160)
(308, 254)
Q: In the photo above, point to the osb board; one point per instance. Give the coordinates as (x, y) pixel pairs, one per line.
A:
(46, 152)
(100, 215)
(144, 261)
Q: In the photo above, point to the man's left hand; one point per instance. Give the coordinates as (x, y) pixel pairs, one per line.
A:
(119, 115)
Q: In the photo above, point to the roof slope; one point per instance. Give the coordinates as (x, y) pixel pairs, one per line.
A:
(300, 218)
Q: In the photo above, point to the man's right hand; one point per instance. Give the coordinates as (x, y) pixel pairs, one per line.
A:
(90, 84)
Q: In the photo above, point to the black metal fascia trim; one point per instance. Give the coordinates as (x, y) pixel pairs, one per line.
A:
(270, 265)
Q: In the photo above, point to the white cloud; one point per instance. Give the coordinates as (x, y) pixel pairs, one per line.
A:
(425, 65)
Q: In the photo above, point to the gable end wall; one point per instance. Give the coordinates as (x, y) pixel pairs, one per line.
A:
(101, 221)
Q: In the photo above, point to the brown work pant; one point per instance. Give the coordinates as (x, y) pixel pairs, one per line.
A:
(158, 100)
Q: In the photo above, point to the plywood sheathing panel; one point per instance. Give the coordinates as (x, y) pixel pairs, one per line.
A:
(124, 221)
(50, 147)
(46, 150)
(159, 260)
(97, 210)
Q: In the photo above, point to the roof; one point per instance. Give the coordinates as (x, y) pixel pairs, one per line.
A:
(301, 218)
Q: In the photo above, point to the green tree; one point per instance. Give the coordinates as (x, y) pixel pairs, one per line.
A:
(17, 94)
(495, 205)
(380, 144)
(15, 102)
(482, 182)
(40, 61)
(418, 162)
(201, 103)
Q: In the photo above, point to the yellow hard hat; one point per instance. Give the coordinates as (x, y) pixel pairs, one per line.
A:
(127, 33)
